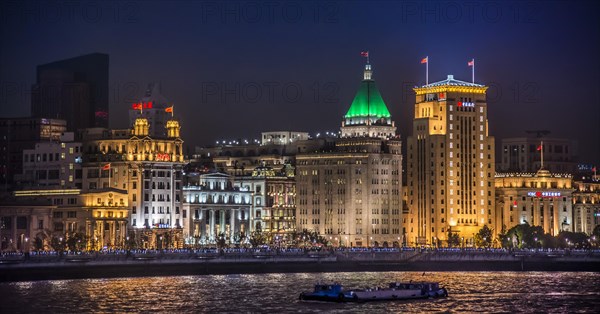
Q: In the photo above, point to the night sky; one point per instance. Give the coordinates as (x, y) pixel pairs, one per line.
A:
(235, 69)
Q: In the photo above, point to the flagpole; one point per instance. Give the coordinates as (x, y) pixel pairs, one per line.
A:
(427, 71)
(109, 173)
(473, 75)
(542, 159)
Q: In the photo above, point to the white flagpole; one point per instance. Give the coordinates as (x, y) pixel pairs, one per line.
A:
(473, 75)
(427, 71)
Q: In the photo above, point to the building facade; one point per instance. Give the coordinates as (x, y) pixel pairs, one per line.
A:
(350, 191)
(586, 204)
(450, 164)
(150, 169)
(217, 209)
(539, 199)
(282, 137)
(53, 164)
(98, 219)
(524, 154)
(18, 134)
(274, 201)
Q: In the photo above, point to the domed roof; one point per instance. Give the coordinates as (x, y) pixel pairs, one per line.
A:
(368, 101)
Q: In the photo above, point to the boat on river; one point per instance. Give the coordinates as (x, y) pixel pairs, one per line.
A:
(395, 291)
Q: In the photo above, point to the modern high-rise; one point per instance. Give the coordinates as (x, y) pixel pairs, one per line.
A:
(350, 191)
(18, 134)
(75, 90)
(450, 164)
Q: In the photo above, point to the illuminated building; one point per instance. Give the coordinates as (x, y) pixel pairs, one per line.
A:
(18, 134)
(53, 164)
(153, 109)
(275, 150)
(350, 190)
(522, 155)
(149, 168)
(539, 199)
(282, 137)
(100, 215)
(217, 208)
(21, 221)
(450, 164)
(274, 200)
(586, 204)
(75, 90)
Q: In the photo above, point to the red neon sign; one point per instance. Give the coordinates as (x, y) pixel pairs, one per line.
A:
(140, 105)
(163, 157)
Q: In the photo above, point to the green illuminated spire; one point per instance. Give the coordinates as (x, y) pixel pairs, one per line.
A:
(368, 101)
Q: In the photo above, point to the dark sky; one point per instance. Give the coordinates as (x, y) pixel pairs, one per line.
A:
(234, 69)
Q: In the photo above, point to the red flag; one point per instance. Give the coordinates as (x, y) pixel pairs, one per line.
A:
(471, 63)
(106, 167)
(539, 147)
(594, 169)
(169, 109)
(424, 60)
(137, 106)
(364, 54)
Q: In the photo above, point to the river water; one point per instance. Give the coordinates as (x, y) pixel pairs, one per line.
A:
(556, 292)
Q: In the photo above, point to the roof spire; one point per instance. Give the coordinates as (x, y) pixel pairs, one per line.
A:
(368, 72)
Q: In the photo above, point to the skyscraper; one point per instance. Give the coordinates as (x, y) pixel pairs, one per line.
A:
(75, 90)
(450, 165)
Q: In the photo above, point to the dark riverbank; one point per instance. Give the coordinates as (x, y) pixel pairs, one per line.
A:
(143, 268)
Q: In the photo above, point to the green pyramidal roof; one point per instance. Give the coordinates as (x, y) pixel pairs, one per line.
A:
(368, 102)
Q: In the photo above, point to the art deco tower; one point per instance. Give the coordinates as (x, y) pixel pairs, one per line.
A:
(450, 164)
(350, 191)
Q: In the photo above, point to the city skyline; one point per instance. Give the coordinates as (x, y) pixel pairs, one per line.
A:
(214, 87)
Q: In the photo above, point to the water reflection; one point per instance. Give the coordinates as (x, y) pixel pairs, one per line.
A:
(469, 292)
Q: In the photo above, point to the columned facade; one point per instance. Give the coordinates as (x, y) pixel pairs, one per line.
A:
(218, 210)
(541, 199)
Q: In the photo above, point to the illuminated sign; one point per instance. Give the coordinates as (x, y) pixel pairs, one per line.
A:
(161, 226)
(543, 194)
(140, 105)
(441, 96)
(163, 157)
(465, 104)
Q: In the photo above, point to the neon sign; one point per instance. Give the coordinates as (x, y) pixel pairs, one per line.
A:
(163, 157)
(140, 105)
(465, 104)
(543, 194)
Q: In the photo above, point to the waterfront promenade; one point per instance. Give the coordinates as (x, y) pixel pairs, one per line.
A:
(104, 264)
